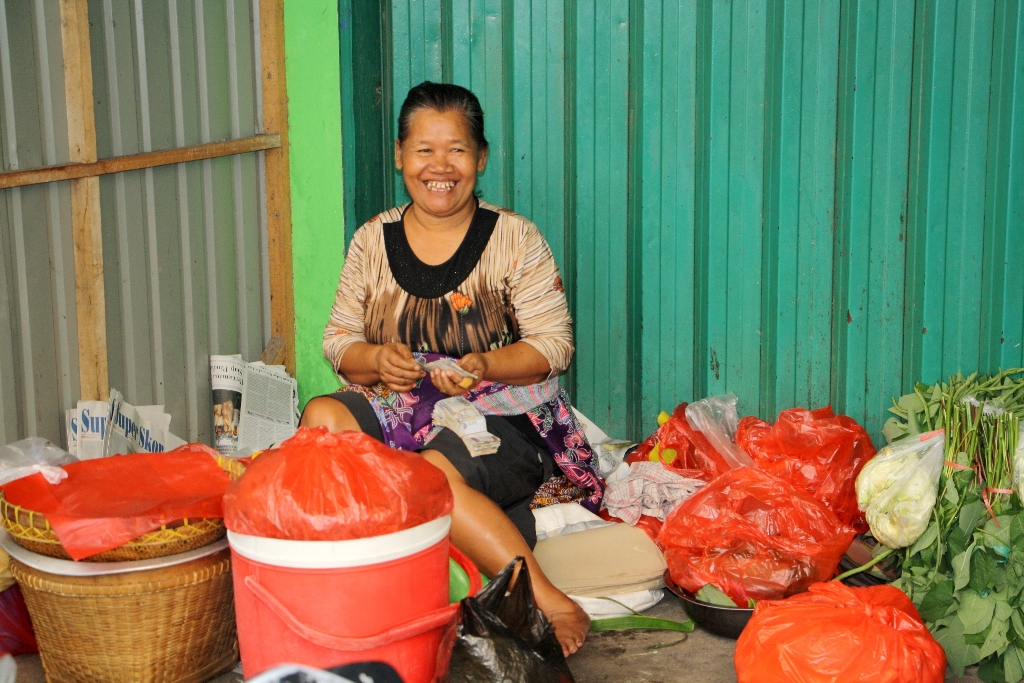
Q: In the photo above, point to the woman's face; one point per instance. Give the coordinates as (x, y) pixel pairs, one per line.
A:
(439, 161)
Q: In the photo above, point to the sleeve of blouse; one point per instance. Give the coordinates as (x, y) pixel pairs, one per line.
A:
(539, 301)
(346, 324)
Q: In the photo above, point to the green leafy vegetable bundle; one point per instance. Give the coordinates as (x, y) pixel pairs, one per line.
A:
(965, 574)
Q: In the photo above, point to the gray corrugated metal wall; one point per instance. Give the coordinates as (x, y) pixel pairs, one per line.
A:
(38, 334)
(184, 246)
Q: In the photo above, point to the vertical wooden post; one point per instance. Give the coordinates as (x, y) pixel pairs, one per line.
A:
(85, 201)
(279, 213)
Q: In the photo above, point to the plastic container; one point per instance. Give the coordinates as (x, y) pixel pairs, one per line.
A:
(327, 603)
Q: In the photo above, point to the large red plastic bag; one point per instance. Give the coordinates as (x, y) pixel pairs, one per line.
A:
(678, 445)
(837, 633)
(897, 488)
(106, 502)
(815, 450)
(320, 486)
(752, 535)
(716, 418)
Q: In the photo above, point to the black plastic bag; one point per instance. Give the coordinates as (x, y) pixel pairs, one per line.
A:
(504, 638)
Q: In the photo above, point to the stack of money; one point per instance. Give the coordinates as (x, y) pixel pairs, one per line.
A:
(462, 417)
(465, 376)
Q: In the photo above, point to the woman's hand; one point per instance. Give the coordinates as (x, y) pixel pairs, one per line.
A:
(396, 367)
(453, 384)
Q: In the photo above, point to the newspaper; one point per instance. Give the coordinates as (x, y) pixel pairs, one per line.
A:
(226, 376)
(87, 427)
(270, 406)
(137, 430)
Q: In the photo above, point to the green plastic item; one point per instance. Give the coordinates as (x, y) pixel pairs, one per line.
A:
(636, 622)
(458, 581)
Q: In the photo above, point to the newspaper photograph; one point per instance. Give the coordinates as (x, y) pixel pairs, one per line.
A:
(226, 377)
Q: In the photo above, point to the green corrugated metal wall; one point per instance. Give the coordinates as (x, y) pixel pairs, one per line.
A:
(799, 202)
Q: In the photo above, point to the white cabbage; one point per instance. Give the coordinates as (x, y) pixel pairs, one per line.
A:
(897, 489)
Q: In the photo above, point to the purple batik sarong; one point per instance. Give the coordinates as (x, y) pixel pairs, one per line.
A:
(406, 421)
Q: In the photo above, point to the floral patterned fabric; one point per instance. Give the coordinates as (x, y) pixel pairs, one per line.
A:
(405, 420)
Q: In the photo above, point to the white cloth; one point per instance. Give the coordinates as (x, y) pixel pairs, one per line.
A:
(651, 489)
(565, 518)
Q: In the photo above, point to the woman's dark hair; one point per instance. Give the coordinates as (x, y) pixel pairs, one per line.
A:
(443, 97)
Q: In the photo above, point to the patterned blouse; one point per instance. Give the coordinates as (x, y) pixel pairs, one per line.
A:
(501, 286)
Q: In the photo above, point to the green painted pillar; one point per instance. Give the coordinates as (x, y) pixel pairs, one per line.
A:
(318, 226)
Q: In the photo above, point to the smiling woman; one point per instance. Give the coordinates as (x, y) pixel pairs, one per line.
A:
(449, 275)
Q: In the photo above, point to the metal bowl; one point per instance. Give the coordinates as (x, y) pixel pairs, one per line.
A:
(722, 621)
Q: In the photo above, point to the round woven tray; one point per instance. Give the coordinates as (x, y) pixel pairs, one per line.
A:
(30, 530)
(169, 625)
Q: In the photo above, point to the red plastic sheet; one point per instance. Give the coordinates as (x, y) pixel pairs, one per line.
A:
(694, 456)
(815, 450)
(752, 535)
(837, 633)
(333, 487)
(105, 503)
(16, 634)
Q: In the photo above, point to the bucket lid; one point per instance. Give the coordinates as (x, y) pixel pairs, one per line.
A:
(339, 554)
(320, 486)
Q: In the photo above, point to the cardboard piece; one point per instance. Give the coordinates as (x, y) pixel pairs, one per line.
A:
(601, 562)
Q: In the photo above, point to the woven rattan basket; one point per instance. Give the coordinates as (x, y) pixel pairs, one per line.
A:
(169, 625)
(31, 530)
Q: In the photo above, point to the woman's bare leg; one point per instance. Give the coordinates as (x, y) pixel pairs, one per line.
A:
(486, 534)
(480, 529)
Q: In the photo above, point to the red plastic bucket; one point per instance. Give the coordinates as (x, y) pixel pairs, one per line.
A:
(389, 604)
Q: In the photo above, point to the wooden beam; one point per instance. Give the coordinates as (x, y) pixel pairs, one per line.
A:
(85, 202)
(135, 162)
(74, 36)
(279, 212)
(275, 351)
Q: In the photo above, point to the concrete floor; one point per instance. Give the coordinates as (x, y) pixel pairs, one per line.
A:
(628, 657)
(611, 657)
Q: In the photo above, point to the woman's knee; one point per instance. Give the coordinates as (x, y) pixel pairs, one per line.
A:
(324, 411)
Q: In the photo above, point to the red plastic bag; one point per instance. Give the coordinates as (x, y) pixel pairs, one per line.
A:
(16, 634)
(320, 486)
(677, 445)
(106, 502)
(837, 633)
(648, 524)
(815, 450)
(752, 535)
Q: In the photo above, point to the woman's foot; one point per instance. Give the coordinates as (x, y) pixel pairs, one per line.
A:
(487, 536)
(570, 622)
